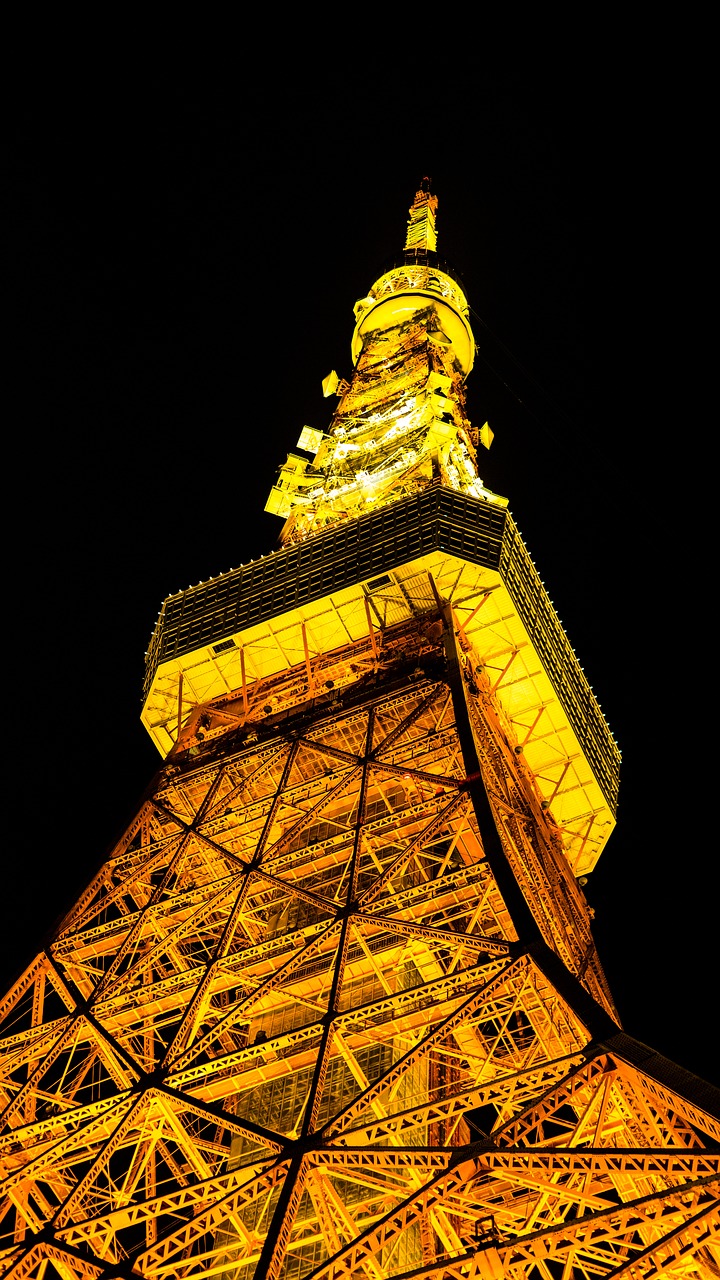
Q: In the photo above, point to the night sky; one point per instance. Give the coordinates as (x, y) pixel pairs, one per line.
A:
(185, 264)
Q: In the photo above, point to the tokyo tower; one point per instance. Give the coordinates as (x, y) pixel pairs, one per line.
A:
(332, 1007)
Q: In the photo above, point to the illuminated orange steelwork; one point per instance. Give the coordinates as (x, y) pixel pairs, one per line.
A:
(333, 1007)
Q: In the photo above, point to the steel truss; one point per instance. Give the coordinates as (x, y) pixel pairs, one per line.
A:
(332, 1009)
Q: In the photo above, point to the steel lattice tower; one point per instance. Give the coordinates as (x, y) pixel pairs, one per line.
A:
(332, 1008)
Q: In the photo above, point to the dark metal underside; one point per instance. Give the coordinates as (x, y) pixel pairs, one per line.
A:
(437, 519)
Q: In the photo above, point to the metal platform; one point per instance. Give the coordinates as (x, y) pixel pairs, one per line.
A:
(440, 531)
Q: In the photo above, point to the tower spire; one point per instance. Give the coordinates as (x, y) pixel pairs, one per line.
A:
(401, 420)
(421, 233)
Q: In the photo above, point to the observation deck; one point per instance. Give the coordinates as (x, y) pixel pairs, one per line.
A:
(367, 574)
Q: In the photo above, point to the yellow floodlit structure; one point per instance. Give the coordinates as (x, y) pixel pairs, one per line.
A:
(332, 1008)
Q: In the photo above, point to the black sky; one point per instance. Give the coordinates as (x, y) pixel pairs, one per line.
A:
(186, 263)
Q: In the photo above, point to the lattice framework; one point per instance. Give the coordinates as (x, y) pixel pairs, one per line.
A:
(299, 1025)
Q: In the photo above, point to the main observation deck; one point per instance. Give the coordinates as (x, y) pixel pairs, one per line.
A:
(378, 570)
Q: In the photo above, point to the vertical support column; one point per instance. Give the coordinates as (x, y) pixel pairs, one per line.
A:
(371, 633)
(179, 705)
(244, 681)
(308, 668)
